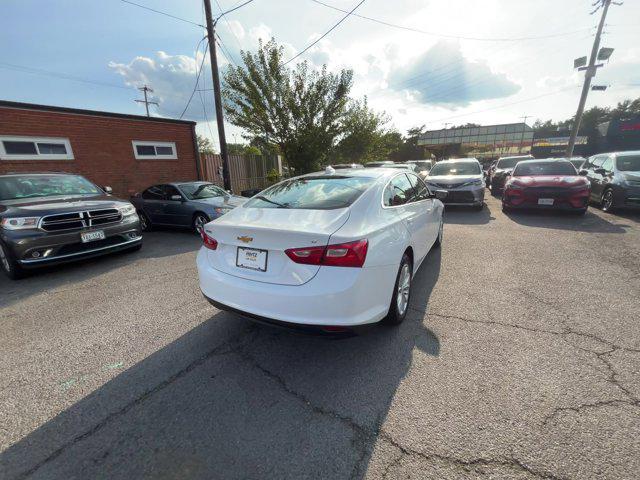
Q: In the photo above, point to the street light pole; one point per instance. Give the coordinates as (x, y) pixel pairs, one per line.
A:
(211, 35)
(589, 73)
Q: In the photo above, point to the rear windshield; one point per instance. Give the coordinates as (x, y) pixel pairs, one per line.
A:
(509, 162)
(628, 163)
(312, 193)
(544, 168)
(454, 168)
(34, 186)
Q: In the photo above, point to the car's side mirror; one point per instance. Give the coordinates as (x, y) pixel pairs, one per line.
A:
(583, 173)
(107, 189)
(440, 194)
(177, 198)
(600, 171)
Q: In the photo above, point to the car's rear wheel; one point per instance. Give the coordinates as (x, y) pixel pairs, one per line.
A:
(401, 293)
(145, 223)
(607, 202)
(199, 221)
(8, 264)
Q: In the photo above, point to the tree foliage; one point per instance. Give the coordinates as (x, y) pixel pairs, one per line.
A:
(204, 144)
(301, 110)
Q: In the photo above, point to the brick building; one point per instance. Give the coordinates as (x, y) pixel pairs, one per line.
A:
(126, 152)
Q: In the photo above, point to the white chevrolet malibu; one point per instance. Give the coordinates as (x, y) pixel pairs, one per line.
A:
(332, 250)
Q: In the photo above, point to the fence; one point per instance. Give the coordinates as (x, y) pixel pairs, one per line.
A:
(247, 171)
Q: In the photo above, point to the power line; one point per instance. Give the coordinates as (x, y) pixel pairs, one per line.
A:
(326, 33)
(229, 27)
(440, 120)
(195, 87)
(232, 9)
(63, 76)
(162, 13)
(225, 51)
(444, 35)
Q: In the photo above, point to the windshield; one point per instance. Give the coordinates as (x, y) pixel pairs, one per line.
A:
(544, 168)
(312, 193)
(455, 168)
(199, 191)
(628, 163)
(509, 162)
(32, 186)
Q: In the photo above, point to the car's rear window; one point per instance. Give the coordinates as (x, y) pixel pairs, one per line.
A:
(312, 193)
(544, 168)
(14, 187)
(510, 162)
(628, 163)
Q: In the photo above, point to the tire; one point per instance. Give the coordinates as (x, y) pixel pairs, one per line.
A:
(399, 308)
(607, 201)
(582, 211)
(478, 208)
(9, 265)
(494, 189)
(505, 209)
(145, 222)
(199, 220)
(438, 242)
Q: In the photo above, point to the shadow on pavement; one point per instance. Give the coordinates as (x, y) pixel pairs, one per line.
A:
(155, 245)
(231, 399)
(467, 215)
(589, 222)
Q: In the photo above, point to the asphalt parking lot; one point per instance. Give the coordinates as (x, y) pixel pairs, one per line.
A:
(520, 359)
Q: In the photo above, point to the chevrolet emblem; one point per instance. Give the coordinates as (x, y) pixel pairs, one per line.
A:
(245, 239)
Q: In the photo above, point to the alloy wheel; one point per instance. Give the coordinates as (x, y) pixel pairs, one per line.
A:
(143, 221)
(199, 222)
(4, 259)
(607, 200)
(404, 288)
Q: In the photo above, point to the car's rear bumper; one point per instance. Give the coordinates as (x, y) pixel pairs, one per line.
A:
(334, 297)
(33, 249)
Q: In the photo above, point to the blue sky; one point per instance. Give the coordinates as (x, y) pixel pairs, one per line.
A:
(417, 78)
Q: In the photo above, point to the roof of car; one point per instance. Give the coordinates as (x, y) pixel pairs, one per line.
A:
(545, 160)
(459, 160)
(356, 172)
(629, 152)
(511, 157)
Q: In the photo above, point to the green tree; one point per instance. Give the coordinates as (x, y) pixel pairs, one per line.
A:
(204, 144)
(300, 110)
(364, 137)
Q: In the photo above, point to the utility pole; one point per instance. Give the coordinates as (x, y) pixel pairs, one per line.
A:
(146, 101)
(211, 34)
(590, 72)
(524, 121)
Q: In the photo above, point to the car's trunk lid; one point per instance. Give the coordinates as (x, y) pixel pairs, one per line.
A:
(263, 234)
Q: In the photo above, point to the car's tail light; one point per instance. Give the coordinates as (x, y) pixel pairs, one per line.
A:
(350, 254)
(209, 242)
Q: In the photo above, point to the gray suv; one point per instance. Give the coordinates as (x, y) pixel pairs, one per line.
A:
(48, 218)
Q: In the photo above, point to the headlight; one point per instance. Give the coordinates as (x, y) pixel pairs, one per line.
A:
(127, 210)
(20, 223)
(221, 211)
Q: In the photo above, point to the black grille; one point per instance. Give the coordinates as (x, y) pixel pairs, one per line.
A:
(83, 247)
(77, 220)
(459, 197)
(448, 186)
(546, 192)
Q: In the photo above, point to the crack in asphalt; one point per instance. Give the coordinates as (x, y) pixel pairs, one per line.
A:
(466, 465)
(611, 378)
(365, 437)
(219, 350)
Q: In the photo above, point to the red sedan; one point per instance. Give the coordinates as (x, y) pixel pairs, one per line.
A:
(546, 184)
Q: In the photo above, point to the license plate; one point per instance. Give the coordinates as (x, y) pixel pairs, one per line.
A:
(92, 236)
(252, 258)
(545, 201)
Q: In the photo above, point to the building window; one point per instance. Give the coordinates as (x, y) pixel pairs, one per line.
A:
(154, 150)
(35, 148)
